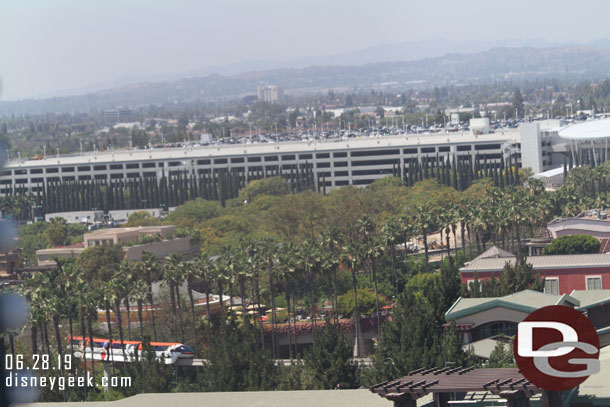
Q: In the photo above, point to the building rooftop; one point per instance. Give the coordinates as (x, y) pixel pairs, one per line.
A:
(483, 348)
(305, 398)
(493, 253)
(591, 298)
(589, 130)
(526, 301)
(485, 263)
(549, 173)
(596, 386)
(141, 229)
(263, 148)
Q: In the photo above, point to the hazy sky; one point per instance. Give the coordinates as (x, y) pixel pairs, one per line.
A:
(50, 46)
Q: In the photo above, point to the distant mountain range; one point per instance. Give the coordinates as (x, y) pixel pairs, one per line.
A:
(398, 66)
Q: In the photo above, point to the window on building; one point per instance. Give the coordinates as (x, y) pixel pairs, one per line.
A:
(368, 153)
(373, 162)
(551, 286)
(363, 182)
(594, 282)
(480, 147)
(493, 329)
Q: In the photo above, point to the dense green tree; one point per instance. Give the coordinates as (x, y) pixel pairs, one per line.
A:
(501, 356)
(148, 374)
(573, 244)
(328, 363)
(366, 302)
(514, 278)
(99, 263)
(57, 232)
(234, 361)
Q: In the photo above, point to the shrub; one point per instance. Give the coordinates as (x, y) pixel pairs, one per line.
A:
(573, 244)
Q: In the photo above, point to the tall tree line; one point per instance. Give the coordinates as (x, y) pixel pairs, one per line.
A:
(147, 192)
(461, 171)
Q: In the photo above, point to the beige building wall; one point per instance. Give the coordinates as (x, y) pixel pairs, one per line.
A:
(162, 249)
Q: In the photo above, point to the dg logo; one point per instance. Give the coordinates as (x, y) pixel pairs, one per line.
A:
(556, 348)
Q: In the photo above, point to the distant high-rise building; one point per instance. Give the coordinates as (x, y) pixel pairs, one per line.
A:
(270, 94)
(120, 114)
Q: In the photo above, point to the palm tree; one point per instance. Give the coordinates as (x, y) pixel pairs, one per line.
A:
(120, 284)
(256, 263)
(408, 226)
(71, 274)
(32, 291)
(191, 273)
(81, 287)
(269, 252)
(128, 271)
(243, 273)
(139, 293)
(205, 273)
(150, 266)
(423, 220)
(352, 260)
(454, 218)
(108, 297)
(90, 299)
(391, 234)
(286, 274)
(372, 250)
(462, 219)
(310, 257)
(172, 277)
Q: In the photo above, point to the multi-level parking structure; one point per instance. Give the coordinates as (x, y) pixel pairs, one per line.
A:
(355, 161)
